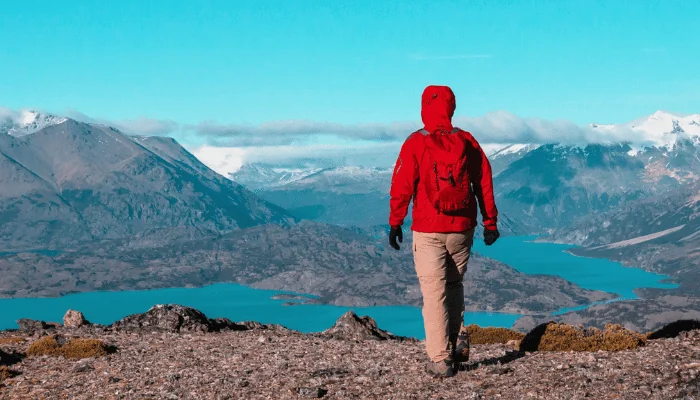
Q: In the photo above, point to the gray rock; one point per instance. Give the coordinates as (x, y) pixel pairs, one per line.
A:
(310, 393)
(166, 317)
(74, 319)
(31, 325)
(83, 368)
(351, 327)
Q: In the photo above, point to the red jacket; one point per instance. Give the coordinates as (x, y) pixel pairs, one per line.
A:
(438, 105)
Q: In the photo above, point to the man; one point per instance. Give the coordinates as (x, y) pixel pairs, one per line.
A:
(443, 170)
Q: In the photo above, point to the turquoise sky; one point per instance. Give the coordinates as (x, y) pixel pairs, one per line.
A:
(349, 61)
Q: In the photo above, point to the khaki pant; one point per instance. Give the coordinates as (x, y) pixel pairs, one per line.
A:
(441, 261)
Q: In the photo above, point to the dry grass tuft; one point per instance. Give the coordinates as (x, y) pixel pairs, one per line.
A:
(84, 348)
(479, 335)
(562, 337)
(73, 349)
(11, 340)
(46, 346)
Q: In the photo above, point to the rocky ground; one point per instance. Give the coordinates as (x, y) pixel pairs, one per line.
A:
(177, 353)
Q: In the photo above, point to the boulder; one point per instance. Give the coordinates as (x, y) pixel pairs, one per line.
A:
(74, 319)
(351, 327)
(32, 325)
(674, 329)
(166, 318)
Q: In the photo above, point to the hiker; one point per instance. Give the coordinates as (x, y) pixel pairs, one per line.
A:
(445, 172)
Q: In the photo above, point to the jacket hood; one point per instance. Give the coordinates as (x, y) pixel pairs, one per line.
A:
(437, 108)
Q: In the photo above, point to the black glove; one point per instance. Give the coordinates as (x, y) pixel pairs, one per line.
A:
(490, 236)
(396, 232)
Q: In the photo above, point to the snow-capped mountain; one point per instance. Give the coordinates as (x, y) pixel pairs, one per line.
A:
(71, 183)
(344, 179)
(501, 158)
(262, 177)
(26, 122)
(660, 129)
(345, 195)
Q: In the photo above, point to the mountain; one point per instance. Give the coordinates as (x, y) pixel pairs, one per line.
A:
(554, 185)
(661, 129)
(502, 158)
(347, 196)
(71, 182)
(261, 177)
(659, 234)
(667, 219)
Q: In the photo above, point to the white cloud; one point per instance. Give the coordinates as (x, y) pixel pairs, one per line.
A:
(223, 160)
(277, 133)
(227, 160)
(498, 127)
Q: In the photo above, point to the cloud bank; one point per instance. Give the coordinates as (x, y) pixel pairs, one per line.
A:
(226, 146)
(499, 127)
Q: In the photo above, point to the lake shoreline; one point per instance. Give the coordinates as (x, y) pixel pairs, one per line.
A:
(283, 302)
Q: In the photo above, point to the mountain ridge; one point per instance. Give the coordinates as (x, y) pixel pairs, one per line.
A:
(72, 182)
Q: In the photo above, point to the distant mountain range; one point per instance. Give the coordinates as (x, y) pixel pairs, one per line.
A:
(65, 183)
(539, 187)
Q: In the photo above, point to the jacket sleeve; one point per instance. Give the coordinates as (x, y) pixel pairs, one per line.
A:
(482, 182)
(403, 182)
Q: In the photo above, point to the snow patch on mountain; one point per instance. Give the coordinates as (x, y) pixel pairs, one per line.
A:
(514, 149)
(257, 176)
(26, 122)
(640, 239)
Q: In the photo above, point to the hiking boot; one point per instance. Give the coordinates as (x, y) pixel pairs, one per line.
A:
(461, 353)
(441, 369)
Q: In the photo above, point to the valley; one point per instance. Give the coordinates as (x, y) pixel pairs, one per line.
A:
(121, 212)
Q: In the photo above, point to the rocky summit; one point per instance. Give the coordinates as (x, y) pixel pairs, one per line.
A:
(176, 352)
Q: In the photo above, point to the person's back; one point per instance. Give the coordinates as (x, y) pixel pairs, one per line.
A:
(445, 172)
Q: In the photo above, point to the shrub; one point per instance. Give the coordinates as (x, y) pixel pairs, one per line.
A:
(84, 348)
(74, 348)
(479, 335)
(561, 337)
(46, 346)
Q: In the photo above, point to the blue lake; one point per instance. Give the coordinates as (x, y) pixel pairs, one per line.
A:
(236, 302)
(589, 273)
(241, 303)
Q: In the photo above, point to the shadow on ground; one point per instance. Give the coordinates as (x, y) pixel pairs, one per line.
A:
(504, 359)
